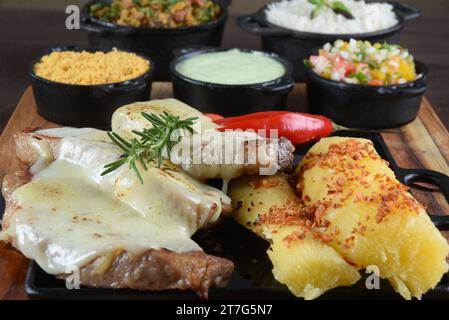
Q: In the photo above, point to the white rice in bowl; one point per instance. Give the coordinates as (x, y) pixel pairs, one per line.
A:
(296, 15)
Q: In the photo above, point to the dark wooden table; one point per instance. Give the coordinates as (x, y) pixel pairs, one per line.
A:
(25, 33)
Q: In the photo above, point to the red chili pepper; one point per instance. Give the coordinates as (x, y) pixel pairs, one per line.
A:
(298, 127)
(250, 116)
(213, 116)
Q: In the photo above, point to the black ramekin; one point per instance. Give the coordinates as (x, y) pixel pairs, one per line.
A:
(365, 106)
(296, 46)
(158, 43)
(230, 100)
(86, 105)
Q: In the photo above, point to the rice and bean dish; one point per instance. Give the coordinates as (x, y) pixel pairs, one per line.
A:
(321, 16)
(91, 68)
(360, 62)
(157, 13)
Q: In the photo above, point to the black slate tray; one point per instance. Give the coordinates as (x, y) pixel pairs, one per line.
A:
(252, 278)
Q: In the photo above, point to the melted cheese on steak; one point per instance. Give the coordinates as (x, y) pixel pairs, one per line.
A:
(68, 214)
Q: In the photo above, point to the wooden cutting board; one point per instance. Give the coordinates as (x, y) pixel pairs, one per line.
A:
(424, 143)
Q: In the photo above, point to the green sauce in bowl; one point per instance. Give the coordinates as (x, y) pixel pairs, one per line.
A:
(231, 67)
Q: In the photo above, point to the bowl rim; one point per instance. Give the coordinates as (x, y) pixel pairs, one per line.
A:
(126, 83)
(261, 15)
(420, 66)
(288, 67)
(87, 16)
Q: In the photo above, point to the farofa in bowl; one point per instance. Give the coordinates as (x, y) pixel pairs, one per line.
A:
(91, 68)
(83, 86)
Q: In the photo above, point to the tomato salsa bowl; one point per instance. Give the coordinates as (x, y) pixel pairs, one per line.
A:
(295, 45)
(365, 106)
(364, 85)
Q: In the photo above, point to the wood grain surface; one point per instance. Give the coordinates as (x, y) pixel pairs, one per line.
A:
(423, 143)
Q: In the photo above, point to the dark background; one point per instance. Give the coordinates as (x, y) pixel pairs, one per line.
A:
(28, 27)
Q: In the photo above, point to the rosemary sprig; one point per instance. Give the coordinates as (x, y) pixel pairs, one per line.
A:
(337, 6)
(149, 144)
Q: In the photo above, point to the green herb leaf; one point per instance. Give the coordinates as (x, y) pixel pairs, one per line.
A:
(317, 2)
(363, 79)
(339, 8)
(149, 144)
(307, 63)
(315, 12)
(372, 65)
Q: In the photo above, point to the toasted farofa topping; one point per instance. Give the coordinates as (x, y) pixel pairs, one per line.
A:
(91, 68)
(261, 182)
(350, 178)
(311, 219)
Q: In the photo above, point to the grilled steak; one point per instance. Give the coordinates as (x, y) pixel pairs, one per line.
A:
(129, 260)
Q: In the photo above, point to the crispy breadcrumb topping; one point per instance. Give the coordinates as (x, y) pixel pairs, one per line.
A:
(261, 182)
(350, 183)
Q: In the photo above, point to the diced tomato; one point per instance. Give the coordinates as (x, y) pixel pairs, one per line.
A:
(340, 63)
(349, 67)
(375, 82)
